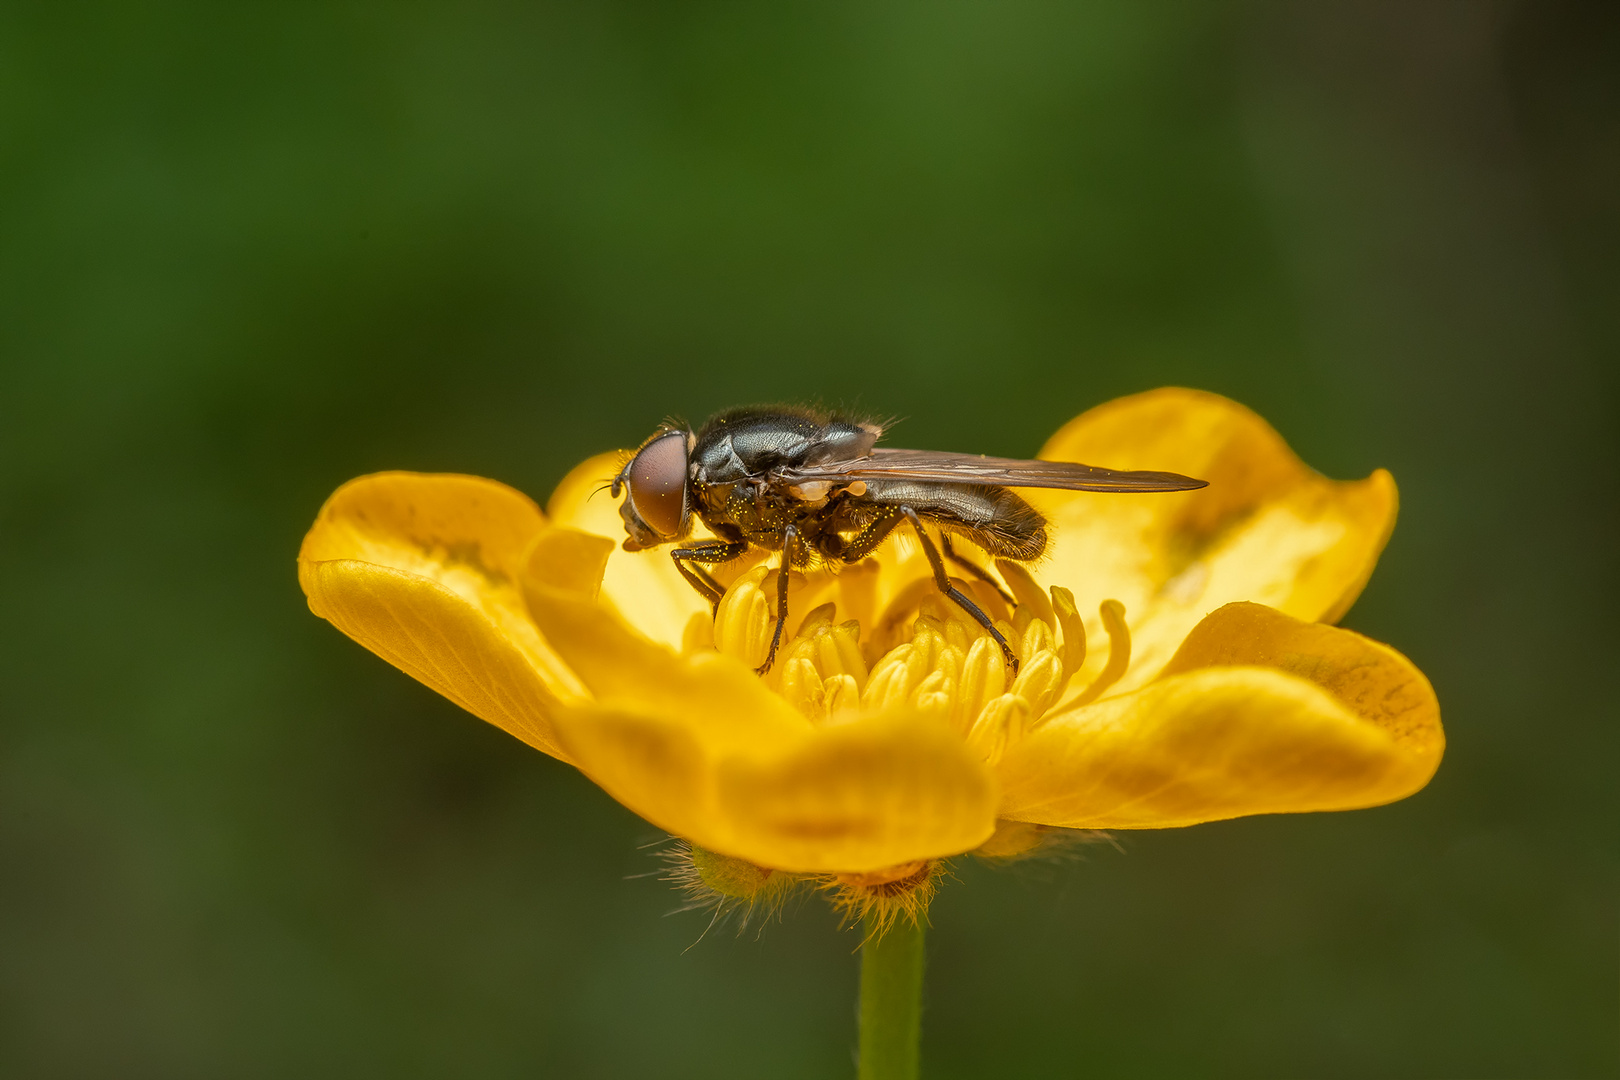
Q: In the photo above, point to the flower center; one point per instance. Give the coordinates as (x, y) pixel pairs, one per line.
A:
(948, 667)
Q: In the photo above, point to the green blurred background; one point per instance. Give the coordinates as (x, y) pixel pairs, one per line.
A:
(248, 252)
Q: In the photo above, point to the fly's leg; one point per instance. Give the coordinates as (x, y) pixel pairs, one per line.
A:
(707, 551)
(975, 569)
(867, 540)
(789, 535)
(871, 535)
(943, 580)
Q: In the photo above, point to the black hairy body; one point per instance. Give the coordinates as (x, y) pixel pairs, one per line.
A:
(815, 487)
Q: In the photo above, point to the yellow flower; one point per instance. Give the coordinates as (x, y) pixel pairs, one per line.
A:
(888, 734)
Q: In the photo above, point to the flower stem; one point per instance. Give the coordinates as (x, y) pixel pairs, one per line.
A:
(891, 1000)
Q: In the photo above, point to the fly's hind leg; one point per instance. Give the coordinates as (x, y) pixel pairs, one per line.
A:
(975, 569)
(878, 530)
(943, 580)
(712, 552)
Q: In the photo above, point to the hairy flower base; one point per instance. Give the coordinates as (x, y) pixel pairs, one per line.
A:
(888, 734)
(727, 887)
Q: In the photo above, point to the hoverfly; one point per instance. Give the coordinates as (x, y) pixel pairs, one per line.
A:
(816, 487)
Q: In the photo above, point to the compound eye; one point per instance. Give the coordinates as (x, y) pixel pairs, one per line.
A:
(657, 482)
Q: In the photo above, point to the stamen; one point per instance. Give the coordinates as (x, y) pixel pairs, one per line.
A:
(928, 634)
(1000, 725)
(989, 600)
(885, 630)
(960, 635)
(803, 687)
(1074, 631)
(1023, 619)
(894, 678)
(1040, 681)
(1038, 638)
(1119, 651)
(1023, 587)
(743, 621)
(843, 697)
(1013, 638)
(984, 676)
(819, 617)
(838, 651)
(934, 694)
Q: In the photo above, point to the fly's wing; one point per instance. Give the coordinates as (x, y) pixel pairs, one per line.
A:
(933, 465)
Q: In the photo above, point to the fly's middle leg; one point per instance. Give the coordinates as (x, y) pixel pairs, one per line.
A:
(790, 535)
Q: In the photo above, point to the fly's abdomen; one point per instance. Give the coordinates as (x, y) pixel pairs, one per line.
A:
(992, 517)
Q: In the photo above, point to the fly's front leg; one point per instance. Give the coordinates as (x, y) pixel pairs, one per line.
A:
(789, 536)
(708, 551)
(943, 580)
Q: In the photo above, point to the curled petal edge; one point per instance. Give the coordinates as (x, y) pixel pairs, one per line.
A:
(1258, 713)
(424, 569)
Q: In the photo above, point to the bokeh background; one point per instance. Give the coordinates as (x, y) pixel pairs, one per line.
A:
(250, 251)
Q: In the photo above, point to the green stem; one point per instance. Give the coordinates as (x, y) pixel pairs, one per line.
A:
(891, 1001)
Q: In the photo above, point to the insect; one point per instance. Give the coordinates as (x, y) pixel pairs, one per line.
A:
(815, 486)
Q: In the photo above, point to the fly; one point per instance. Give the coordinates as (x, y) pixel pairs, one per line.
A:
(816, 487)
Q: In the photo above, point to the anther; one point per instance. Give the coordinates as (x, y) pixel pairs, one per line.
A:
(1040, 681)
(1030, 596)
(1000, 725)
(1119, 651)
(1074, 630)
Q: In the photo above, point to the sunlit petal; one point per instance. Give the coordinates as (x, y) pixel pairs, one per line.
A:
(1316, 718)
(1267, 528)
(846, 797)
(1379, 684)
(424, 571)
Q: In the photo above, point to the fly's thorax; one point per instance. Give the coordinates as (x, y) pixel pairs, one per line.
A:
(753, 440)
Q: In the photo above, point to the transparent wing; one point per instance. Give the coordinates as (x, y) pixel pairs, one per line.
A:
(892, 464)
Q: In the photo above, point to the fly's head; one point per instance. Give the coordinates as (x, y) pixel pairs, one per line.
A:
(657, 507)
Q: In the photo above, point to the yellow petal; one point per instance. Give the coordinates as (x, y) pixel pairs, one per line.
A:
(1379, 684)
(842, 798)
(1334, 723)
(423, 570)
(720, 699)
(861, 796)
(699, 746)
(1267, 528)
(569, 559)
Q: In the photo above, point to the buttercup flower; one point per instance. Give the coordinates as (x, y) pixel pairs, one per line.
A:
(1177, 658)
